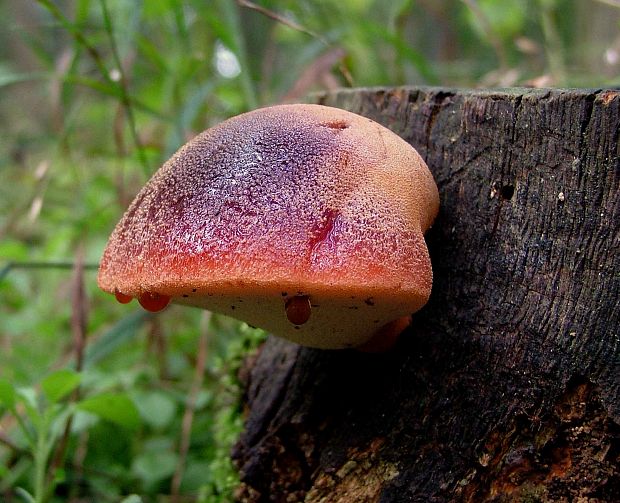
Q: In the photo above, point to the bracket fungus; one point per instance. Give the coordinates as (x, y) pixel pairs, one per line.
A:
(304, 220)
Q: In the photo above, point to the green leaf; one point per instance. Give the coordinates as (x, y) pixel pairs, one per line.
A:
(152, 467)
(12, 249)
(25, 495)
(59, 384)
(156, 408)
(132, 498)
(119, 334)
(7, 393)
(115, 407)
(28, 398)
(8, 78)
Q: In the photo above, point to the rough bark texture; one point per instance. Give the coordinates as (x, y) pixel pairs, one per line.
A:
(507, 386)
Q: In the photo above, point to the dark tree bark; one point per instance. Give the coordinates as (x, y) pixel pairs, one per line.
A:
(507, 385)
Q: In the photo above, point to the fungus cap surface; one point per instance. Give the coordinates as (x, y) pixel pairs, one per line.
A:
(282, 202)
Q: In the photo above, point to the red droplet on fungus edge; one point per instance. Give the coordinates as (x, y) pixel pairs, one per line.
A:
(122, 298)
(298, 309)
(153, 302)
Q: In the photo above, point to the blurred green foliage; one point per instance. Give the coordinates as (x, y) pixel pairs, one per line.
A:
(94, 95)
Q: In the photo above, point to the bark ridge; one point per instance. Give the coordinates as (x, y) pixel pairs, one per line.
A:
(507, 386)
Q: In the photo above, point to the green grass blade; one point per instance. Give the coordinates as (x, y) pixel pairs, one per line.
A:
(121, 333)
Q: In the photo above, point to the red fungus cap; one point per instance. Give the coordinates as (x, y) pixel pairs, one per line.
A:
(304, 220)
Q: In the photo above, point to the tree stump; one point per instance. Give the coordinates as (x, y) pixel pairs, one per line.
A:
(507, 385)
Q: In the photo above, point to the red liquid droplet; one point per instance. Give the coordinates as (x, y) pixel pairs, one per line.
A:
(298, 309)
(153, 301)
(122, 298)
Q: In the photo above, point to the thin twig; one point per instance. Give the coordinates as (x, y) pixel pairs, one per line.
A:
(123, 86)
(314, 72)
(94, 53)
(79, 314)
(66, 265)
(280, 19)
(297, 27)
(230, 14)
(156, 344)
(78, 465)
(78, 328)
(77, 35)
(553, 43)
(188, 415)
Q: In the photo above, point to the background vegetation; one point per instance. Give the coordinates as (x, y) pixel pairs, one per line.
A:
(98, 400)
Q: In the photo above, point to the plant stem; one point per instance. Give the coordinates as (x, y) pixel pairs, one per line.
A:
(77, 35)
(492, 37)
(24, 427)
(40, 460)
(41, 265)
(231, 14)
(123, 87)
(553, 41)
(190, 407)
(121, 84)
